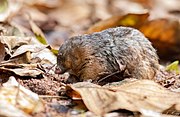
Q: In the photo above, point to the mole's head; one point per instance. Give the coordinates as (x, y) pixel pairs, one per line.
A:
(70, 57)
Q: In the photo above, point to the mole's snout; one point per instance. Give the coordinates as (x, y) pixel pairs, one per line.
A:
(58, 70)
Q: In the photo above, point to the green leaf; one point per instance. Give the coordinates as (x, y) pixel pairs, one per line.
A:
(41, 39)
(173, 67)
(38, 32)
(54, 51)
(3, 5)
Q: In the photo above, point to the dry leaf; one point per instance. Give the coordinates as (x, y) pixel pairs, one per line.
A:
(21, 69)
(3, 5)
(44, 3)
(31, 48)
(20, 59)
(164, 34)
(38, 32)
(2, 50)
(9, 30)
(134, 96)
(77, 9)
(10, 7)
(131, 20)
(26, 72)
(11, 42)
(22, 99)
(8, 110)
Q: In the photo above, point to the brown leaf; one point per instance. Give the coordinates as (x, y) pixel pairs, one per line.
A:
(8, 110)
(11, 42)
(2, 50)
(135, 96)
(10, 8)
(164, 34)
(20, 69)
(19, 98)
(131, 20)
(22, 58)
(31, 48)
(38, 32)
(9, 30)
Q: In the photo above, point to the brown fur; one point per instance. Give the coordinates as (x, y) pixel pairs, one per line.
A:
(97, 55)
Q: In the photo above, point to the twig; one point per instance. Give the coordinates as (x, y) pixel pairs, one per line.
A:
(108, 76)
(49, 96)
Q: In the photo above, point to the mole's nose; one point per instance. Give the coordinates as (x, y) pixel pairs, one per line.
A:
(58, 70)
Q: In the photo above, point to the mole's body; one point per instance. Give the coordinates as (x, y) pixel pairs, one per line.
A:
(97, 55)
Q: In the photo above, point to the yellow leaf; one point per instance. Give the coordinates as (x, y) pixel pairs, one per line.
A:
(38, 32)
(130, 20)
(54, 51)
(173, 67)
(3, 5)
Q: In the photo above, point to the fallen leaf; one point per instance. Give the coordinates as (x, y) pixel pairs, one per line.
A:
(8, 110)
(31, 48)
(2, 50)
(26, 72)
(54, 51)
(10, 30)
(21, 69)
(45, 54)
(133, 96)
(131, 20)
(21, 98)
(173, 67)
(11, 42)
(3, 5)
(38, 32)
(78, 9)
(8, 8)
(44, 3)
(164, 34)
(20, 59)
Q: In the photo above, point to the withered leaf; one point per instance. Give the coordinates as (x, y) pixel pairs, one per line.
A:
(8, 9)
(131, 20)
(31, 48)
(164, 34)
(38, 32)
(135, 96)
(21, 59)
(14, 41)
(2, 50)
(8, 29)
(8, 110)
(21, 69)
(19, 98)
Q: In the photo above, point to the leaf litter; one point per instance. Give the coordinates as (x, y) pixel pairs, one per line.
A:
(129, 96)
(31, 61)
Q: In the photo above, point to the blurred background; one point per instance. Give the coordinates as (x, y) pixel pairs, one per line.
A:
(61, 19)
